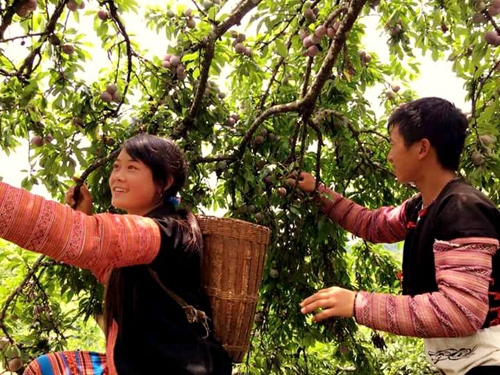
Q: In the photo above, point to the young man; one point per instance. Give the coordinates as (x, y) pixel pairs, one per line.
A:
(451, 267)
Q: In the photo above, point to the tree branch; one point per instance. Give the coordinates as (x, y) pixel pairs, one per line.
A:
(7, 18)
(23, 37)
(18, 291)
(315, 127)
(113, 10)
(277, 109)
(51, 26)
(324, 72)
(98, 163)
(208, 43)
(307, 75)
(306, 105)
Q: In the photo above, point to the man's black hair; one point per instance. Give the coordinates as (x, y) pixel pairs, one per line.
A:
(436, 119)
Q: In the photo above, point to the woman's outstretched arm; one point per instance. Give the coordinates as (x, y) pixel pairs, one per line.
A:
(98, 242)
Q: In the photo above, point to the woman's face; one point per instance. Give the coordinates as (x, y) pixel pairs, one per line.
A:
(132, 186)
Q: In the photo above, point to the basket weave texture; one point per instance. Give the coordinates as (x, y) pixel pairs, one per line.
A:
(231, 272)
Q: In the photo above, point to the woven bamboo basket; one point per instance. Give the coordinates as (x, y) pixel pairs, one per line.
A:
(231, 272)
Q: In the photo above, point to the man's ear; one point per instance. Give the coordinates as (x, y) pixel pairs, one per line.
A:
(424, 149)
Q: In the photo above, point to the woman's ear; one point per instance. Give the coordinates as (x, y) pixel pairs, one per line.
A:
(169, 183)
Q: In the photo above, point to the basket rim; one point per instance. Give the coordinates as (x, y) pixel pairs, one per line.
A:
(231, 219)
(234, 228)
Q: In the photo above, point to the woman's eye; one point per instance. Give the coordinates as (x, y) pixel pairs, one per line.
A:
(132, 167)
(115, 166)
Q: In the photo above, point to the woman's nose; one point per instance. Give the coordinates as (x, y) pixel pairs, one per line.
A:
(117, 175)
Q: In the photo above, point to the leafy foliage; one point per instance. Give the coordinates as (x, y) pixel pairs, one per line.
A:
(249, 105)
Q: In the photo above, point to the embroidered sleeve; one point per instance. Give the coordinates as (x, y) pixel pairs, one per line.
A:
(459, 308)
(386, 224)
(98, 242)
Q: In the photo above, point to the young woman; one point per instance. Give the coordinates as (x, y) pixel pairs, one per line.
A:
(156, 315)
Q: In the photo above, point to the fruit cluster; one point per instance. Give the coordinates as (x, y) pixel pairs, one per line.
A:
(173, 62)
(111, 94)
(190, 22)
(491, 37)
(232, 119)
(39, 141)
(311, 42)
(310, 14)
(238, 45)
(73, 5)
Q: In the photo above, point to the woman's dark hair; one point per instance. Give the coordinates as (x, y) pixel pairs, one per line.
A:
(163, 157)
(166, 162)
(436, 119)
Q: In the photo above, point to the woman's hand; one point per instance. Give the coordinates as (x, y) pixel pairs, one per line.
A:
(333, 302)
(307, 182)
(84, 199)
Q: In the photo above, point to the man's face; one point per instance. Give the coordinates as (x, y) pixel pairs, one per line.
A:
(404, 160)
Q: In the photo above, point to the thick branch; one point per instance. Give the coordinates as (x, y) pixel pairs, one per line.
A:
(208, 43)
(309, 101)
(306, 104)
(277, 109)
(330, 18)
(7, 18)
(198, 97)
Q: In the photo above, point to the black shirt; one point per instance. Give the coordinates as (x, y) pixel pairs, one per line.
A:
(155, 336)
(459, 211)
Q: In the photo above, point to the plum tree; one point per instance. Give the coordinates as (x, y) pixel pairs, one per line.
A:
(251, 91)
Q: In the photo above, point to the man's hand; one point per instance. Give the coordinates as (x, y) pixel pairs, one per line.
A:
(333, 302)
(307, 183)
(84, 199)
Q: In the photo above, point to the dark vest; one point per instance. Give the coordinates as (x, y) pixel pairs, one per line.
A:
(459, 211)
(155, 336)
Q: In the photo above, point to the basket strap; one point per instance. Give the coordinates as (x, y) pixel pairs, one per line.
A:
(192, 314)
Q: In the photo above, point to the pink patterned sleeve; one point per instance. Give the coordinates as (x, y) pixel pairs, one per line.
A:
(386, 224)
(98, 242)
(459, 308)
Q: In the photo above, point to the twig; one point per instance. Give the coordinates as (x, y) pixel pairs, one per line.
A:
(313, 125)
(17, 292)
(23, 37)
(293, 143)
(307, 75)
(98, 163)
(121, 27)
(46, 301)
(491, 20)
(202, 160)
